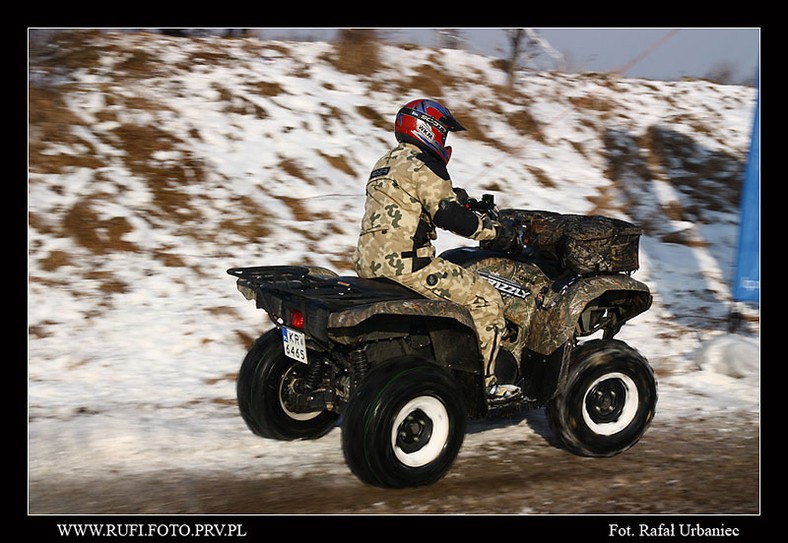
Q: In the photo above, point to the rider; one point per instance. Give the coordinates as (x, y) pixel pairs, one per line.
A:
(408, 194)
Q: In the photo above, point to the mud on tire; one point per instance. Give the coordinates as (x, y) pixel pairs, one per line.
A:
(606, 402)
(264, 374)
(405, 425)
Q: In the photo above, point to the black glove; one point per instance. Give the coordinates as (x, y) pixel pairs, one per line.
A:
(462, 196)
(508, 239)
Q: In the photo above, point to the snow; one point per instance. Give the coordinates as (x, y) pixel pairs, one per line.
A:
(141, 377)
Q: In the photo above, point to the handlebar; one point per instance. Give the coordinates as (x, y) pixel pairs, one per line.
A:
(485, 206)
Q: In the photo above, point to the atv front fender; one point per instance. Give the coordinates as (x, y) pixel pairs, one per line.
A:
(593, 303)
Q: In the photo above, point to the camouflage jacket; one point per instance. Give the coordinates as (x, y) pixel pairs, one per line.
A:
(408, 194)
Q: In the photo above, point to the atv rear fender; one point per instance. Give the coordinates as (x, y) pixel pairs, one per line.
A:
(449, 327)
(352, 311)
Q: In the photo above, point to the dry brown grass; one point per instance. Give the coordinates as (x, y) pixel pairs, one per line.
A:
(72, 50)
(266, 88)
(291, 167)
(541, 177)
(250, 224)
(430, 79)
(50, 121)
(340, 163)
(55, 260)
(166, 180)
(377, 119)
(356, 51)
(593, 103)
(100, 236)
(240, 105)
(525, 123)
(298, 209)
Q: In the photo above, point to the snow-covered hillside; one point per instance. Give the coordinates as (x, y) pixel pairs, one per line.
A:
(156, 163)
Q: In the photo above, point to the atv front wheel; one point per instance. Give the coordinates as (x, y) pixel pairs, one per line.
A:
(607, 401)
(265, 376)
(404, 426)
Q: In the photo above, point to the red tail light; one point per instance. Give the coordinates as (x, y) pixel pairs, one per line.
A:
(296, 319)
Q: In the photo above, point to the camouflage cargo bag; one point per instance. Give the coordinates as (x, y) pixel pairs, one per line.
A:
(584, 244)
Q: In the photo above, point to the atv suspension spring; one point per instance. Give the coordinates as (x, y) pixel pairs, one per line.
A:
(314, 375)
(360, 362)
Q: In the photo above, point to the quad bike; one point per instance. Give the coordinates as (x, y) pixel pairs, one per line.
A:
(404, 372)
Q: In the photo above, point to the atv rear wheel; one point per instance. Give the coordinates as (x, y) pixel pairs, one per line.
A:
(405, 425)
(264, 377)
(607, 400)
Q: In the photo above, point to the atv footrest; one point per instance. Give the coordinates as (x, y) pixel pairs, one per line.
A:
(509, 407)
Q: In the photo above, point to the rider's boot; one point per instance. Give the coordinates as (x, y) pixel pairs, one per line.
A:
(500, 392)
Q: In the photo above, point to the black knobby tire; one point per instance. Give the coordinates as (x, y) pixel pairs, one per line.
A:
(405, 425)
(607, 401)
(263, 374)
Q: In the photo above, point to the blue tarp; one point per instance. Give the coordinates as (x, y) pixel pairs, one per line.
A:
(747, 282)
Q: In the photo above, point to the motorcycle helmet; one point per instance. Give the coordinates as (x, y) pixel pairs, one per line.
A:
(426, 123)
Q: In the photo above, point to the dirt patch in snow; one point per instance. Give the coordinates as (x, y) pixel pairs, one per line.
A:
(691, 467)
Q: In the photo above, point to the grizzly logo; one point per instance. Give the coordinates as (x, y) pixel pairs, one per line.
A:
(505, 287)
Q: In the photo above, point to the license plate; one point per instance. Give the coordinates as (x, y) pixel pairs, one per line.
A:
(295, 344)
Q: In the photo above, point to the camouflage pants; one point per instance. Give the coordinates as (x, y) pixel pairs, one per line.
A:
(443, 280)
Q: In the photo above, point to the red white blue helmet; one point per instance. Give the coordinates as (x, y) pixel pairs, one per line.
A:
(426, 123)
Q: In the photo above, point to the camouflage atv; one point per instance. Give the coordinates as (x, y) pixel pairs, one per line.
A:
(404, 372)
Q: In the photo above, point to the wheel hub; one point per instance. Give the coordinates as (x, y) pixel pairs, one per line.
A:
(605, 402)
(414, 432)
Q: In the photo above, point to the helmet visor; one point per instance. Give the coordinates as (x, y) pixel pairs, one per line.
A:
(445, 124)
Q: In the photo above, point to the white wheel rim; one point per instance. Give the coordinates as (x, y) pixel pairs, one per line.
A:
(628, 411)
(299, 416)
(434, 409)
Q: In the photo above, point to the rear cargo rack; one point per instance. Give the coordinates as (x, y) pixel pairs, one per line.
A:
(287, 277)
(333, 291)
(315, 292)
